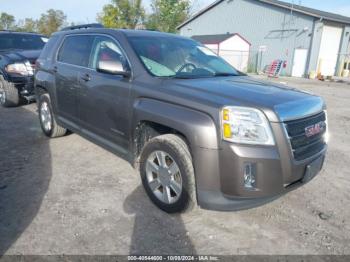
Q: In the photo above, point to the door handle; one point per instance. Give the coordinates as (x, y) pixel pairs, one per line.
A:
(86, 77)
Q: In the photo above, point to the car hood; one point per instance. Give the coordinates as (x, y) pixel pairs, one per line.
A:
(279, 102)
(21, 55)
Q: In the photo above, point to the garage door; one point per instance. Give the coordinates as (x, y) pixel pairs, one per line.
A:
(329, 50)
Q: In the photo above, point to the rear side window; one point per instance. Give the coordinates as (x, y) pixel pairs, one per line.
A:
(45, 54)
(11, 41)
(76, 50)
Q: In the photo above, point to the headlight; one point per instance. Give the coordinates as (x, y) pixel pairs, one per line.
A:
(245, 125)
(24, 69)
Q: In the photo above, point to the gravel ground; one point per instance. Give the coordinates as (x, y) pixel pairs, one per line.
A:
(69, 196)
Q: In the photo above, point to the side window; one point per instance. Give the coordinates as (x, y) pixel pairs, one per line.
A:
(106, 51)
(45, 53)
(76, 50)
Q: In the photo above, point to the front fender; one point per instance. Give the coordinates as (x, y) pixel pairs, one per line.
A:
(200, 131)
(198, 127)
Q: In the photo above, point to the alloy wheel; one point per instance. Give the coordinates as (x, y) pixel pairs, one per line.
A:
(45, 116)
(164, 177)
(2, 94)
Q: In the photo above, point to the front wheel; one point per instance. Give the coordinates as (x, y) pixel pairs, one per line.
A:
(167, 173)
(9, 96)
(47, 120)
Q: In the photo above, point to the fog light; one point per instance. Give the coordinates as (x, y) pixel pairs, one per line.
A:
(249, 175)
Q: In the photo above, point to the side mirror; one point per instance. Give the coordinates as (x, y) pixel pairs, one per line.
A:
(113, 68)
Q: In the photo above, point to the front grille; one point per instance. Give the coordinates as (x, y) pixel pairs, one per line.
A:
(302, 145)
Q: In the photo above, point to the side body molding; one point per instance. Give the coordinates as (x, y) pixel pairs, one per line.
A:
(199, 128)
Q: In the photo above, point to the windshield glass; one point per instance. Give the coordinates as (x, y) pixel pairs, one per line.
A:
(21, 41)
(179, 57)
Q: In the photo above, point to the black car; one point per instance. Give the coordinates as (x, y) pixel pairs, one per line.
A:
(18, 53)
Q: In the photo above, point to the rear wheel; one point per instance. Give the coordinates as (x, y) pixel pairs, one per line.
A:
(47, 119)
(167, 173)
(9, 96)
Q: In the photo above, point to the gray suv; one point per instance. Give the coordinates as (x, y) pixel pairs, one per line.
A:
(198, 130)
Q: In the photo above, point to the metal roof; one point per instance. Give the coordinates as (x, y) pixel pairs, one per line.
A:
(296, 8)
(212, 39)
(215, 39)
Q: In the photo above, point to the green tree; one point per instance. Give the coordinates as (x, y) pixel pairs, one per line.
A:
(7, 21)
(27, 25)
(51, 21)
(168, 14)
(122, 14)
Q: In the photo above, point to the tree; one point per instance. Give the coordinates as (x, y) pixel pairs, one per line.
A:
(122, 14)
(7, 21)
(27, 25)
(168, 14)
(51, 21)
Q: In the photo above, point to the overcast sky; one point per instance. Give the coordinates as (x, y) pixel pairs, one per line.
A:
(83, 11)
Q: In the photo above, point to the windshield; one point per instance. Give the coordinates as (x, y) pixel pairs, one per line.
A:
(21, 41)
(179, 57)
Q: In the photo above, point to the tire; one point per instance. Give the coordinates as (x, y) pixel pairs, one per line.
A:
(47, 118)
(171, 189)
(9, 96)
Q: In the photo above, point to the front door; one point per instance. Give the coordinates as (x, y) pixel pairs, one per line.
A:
(104, 98)
(299, 62)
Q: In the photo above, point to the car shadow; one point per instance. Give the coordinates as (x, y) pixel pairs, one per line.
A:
(25, 171)
(156, 232)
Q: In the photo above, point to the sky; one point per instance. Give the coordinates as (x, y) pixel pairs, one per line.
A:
(84, 11)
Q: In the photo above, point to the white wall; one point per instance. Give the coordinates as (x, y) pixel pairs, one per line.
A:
(214, 48)
(235, 51)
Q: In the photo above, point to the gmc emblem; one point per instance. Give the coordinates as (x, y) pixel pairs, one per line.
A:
(314, 129)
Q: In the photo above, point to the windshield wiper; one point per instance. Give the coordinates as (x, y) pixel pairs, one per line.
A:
(181, 76)
(184, 77)
(224, 74)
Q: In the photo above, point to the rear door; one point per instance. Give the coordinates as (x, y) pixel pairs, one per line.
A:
(72, 58)
(104, 98)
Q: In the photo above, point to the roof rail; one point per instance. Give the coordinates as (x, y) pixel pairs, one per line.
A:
(86, 26)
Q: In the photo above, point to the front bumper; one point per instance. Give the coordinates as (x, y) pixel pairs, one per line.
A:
(220, 173)
(25, 85)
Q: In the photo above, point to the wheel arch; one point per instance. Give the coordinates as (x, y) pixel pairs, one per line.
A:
(3, 75)
(153, 117)
(145, 130)
(38, 91)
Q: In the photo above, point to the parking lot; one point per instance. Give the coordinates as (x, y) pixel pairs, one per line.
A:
(69, 196)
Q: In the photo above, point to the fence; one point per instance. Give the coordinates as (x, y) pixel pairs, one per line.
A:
(255, 61)
(251, 61)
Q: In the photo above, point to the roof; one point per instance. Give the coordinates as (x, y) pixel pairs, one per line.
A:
(215, 39)
(296, 8)
(126, 32)
(17, 32)
(145, 33)
(212, 39)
